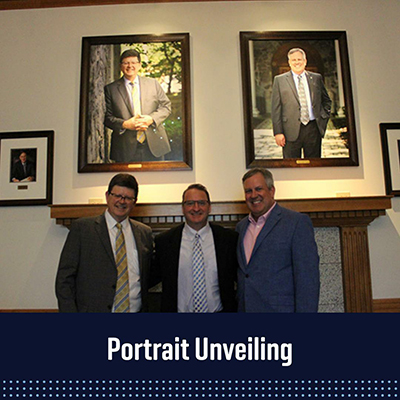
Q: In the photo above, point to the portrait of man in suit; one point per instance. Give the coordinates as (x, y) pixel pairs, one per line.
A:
(23, 169)
(196, 261)
(277, 253)
(300, 109)
(105, 263)
(135, 109)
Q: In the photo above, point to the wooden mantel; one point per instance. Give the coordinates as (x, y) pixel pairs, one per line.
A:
(344, 211)
(351, 214)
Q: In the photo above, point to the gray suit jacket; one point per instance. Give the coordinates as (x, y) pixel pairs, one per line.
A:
(87, 273)
(286, 104)
(154, 102)
(283, 272)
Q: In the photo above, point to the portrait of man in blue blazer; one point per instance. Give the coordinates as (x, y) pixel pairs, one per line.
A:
(277, 253)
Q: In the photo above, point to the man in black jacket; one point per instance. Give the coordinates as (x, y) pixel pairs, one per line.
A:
(196, 261)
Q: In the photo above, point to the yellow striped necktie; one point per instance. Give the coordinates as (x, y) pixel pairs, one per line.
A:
(121, 301)
(141, 136)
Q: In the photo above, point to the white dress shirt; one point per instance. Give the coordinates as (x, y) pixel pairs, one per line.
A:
(129, 87)
(135, 299)
(185, 273)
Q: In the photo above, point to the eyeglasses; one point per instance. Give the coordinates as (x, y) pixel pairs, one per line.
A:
(125, 198)
(126, 64)
(191, 203)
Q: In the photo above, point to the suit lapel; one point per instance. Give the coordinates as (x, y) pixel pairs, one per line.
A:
(242, 231)
(124, 94)
(311, 86)
(102, 231)
(144, 95)
(175, 248)
(219, 245)
(270, 223)
(290, 81)
(139, 244)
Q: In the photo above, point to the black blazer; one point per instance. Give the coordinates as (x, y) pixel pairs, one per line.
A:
(87, 273)
(19, 173)
(166, 265)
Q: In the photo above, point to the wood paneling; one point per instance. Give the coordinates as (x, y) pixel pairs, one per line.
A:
(356, 269)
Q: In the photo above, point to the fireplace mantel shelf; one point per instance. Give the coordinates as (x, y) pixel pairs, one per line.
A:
(341, 211)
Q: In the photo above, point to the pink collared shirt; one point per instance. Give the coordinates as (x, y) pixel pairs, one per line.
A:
(252, 232)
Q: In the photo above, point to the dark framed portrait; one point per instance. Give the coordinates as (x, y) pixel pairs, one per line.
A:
(26, 168)
(294, 122)
(390, 141)
(135, 103)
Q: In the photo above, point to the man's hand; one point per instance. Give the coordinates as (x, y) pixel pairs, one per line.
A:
(144, 122)
(138, 123)
(132, 124)
(280, 139)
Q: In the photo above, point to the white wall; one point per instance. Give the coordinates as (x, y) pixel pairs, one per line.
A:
(40, 53)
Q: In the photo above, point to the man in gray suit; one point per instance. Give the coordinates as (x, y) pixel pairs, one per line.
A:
(300, 109)
(97, 247)
(277, 254)
(136, 108)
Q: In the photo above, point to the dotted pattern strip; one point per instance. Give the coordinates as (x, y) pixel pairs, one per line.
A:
(199, 389)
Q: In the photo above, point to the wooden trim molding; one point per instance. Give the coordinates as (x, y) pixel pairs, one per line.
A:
(378, 306)
(351, 214)
(28, 4)
(386, 305)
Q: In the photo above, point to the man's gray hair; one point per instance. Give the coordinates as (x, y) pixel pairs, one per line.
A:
(295, 50)
(269, 179)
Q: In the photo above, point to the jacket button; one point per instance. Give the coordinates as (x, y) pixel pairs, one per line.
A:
(247, 275)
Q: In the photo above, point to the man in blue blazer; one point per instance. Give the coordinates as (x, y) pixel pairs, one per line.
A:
(277, 254)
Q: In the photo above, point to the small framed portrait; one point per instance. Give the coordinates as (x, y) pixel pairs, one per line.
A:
(135, 103)
(298, 103)
(390, 141)
(26, 168)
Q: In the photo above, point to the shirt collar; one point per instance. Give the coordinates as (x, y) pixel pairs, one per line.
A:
(203, 232)
(261, 218)
(296, 76)
(111, 222)
(128, 82)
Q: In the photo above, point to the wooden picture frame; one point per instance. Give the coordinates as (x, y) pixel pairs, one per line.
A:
(165, 58)
(390, 141)
(26, 168)
(263, 56)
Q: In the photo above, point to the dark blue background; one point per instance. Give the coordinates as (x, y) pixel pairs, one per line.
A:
(347, 347)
